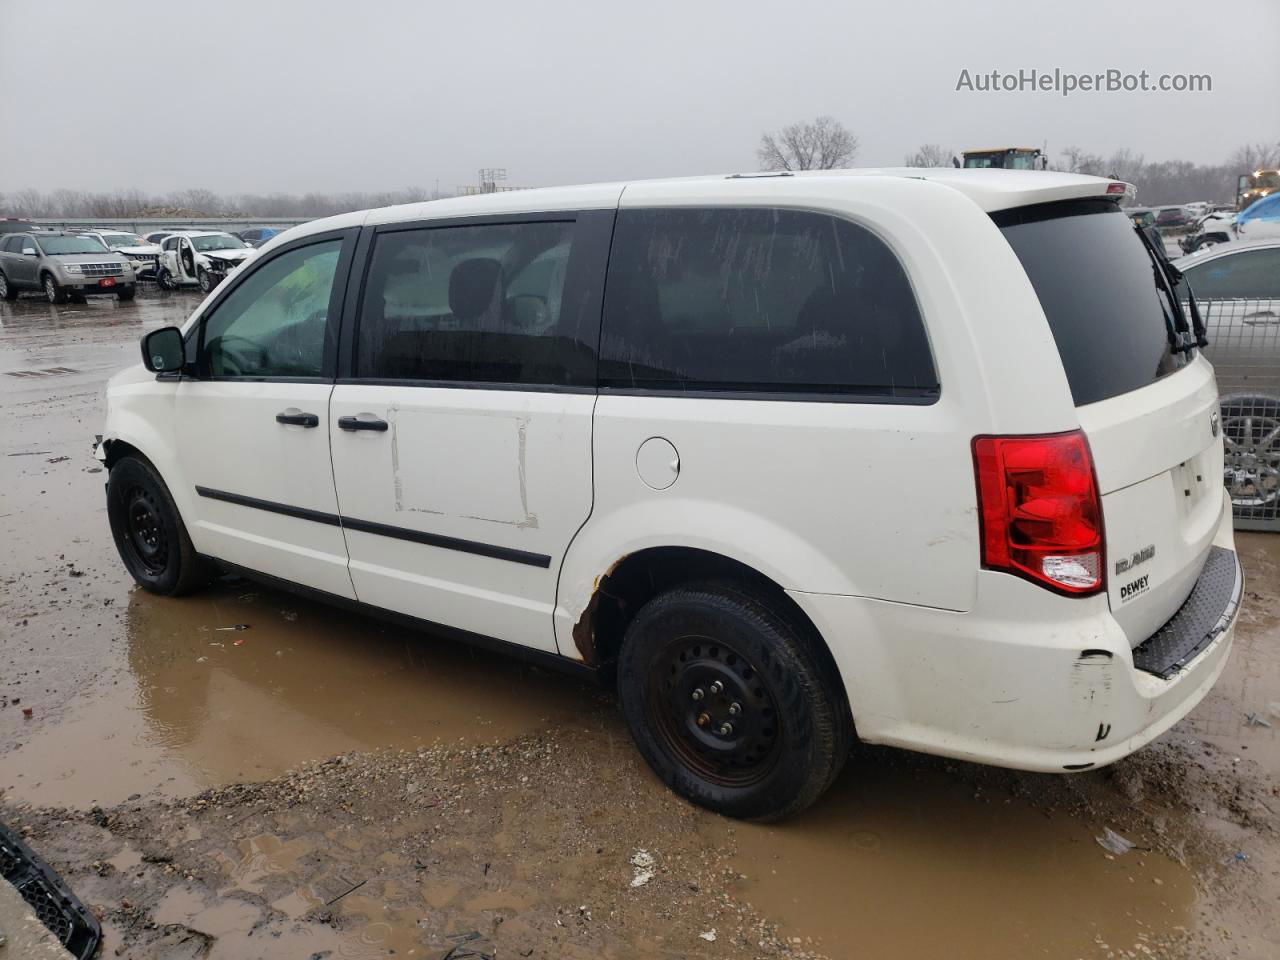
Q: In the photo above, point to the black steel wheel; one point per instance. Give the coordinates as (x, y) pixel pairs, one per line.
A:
(732, 701)
(148, 531)
(147, 537)
(711, 709)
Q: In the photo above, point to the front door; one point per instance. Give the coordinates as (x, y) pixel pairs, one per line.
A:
(253, 430)
(462, 431)
(186, 260)
(26, 264)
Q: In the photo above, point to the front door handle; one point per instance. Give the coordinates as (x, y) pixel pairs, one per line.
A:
(297, 418)
(357, 423)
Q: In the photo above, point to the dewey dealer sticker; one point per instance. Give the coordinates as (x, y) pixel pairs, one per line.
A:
(1135, 588)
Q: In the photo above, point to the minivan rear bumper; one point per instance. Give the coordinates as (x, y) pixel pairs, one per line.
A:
(1026, 679)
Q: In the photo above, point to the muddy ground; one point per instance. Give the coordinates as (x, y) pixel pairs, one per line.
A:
(320, 785)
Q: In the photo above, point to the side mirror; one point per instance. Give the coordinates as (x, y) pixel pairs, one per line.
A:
(163, 350)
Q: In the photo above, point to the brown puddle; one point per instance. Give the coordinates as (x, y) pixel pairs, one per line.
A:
(202, 705)
(892, 863)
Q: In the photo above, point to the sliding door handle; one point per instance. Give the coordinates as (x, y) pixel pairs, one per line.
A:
(366, 421)
(297, 418)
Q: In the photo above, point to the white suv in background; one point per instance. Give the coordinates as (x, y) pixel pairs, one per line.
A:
(200, 258)
(927, 458)
(144, 256)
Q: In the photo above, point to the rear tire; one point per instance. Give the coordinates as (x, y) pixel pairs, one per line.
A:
(148, 531)
(54, 292)
(164, 280)
(731, 703)
(7, 290)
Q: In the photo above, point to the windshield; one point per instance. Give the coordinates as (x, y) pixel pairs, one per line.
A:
(1097, 284)
(217, 241)
(55, 246)
(117, 240)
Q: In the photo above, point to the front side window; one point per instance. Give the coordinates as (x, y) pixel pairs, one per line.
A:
(479, 304)
(1251, 275)
(274, 323)
(751, 300)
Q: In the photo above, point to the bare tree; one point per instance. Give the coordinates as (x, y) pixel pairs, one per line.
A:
(823, 144)
(930, 155)
(1256, 156)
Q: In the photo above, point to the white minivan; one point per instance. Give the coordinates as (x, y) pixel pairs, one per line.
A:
(925, 458)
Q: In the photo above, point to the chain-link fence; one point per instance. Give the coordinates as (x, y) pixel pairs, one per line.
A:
(1244, 348)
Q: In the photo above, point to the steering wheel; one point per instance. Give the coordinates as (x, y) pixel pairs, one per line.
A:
(236, 356)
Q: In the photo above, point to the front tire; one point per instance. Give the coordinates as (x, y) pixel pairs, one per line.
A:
(148, 531)
(730, 702)
(7, 290)
(54, 292)
(205, 280)
(127, 294)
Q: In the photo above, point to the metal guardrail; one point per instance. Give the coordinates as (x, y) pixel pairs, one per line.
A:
(144, 225)
(1244, 348)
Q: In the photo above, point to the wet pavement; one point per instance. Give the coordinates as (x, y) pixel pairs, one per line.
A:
(479, 795)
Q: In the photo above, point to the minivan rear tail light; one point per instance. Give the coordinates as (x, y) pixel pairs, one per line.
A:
(1039, 510)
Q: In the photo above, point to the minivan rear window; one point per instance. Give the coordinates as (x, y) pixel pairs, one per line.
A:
(1097, 285)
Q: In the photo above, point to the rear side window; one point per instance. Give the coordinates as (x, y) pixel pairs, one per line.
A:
(1097, 285)
(477, 304)
(759, 300)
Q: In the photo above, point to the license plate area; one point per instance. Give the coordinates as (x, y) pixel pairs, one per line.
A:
(107, 282)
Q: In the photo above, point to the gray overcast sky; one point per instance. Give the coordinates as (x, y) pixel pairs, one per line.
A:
(269, 95)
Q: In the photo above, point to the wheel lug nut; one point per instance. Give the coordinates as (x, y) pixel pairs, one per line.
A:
(735, 709)
(704, 719)
(717, 687)
(726, 729)
(698, 694)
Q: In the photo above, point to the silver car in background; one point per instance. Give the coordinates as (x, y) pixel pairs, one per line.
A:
(1237, 288)
(64, 266)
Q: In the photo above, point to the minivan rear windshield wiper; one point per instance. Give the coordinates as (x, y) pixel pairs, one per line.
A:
(1167, 277)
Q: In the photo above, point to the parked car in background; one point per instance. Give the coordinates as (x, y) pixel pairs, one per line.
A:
(63, 265)
(1216, 227)
(1260, 221)
(1141, 216)
(158, 236)
(1237, 288)
(804, 458)
(1172, 217)
(257, 236)
(199, 257)
(144, 256)
(18, 225)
